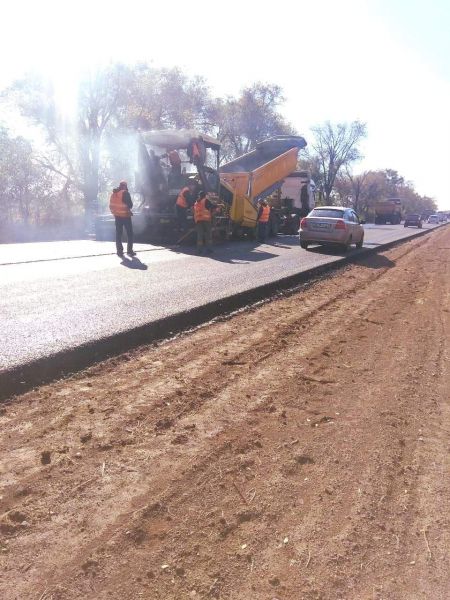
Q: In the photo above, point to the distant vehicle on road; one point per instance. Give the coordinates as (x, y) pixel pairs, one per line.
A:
(388, 211)
(434, 219)
(442, 217)
(413, 220)
(331, 225)
(426, 214)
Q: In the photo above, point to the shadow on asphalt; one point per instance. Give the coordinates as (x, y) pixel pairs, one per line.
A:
(134, 263)
(242, 258)
(328, 250)
(229, 252)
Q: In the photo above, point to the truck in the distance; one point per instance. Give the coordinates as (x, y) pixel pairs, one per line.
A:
(388, 211)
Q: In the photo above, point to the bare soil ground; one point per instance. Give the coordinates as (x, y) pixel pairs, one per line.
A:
(299, 450)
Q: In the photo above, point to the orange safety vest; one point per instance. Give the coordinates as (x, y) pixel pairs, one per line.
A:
(201, 213)
(181, 200)
(264, 218)
(117, 206)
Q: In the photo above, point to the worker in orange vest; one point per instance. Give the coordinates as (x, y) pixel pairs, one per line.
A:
(203, 209)
(263, 220)
(184, 201)
(120, 204)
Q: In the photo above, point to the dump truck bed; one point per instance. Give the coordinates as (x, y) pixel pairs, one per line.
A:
(258, 173)
(264, 153)
(389, 209)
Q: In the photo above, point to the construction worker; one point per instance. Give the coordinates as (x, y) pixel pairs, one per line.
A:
(173, 178)
(203, 209)
(185, 200)
(175, 162)
(120, 205)
(263, 220)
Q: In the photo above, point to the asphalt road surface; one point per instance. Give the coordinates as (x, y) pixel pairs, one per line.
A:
(59, 295)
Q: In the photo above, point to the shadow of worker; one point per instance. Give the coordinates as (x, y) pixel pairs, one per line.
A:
(133, 263)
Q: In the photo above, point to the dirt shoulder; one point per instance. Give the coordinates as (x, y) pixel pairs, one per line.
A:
(298, 450)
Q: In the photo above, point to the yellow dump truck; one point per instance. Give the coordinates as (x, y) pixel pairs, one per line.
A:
(388, 211)
(257, 175)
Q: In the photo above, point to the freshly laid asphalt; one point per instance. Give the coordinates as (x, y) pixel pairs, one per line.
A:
(55, 296)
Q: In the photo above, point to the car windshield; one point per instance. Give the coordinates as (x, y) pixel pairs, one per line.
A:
(330, 213)
(412, 216)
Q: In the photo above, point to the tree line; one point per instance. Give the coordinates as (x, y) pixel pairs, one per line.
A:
(53, 176)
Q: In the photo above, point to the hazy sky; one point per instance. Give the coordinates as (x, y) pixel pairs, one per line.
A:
(386, 62)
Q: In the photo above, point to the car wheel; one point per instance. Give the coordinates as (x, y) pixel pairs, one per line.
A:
(360, 243)
(304, 245)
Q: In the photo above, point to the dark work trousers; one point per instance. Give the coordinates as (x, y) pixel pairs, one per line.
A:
(204, 235)
(122, 222)
(262, 231)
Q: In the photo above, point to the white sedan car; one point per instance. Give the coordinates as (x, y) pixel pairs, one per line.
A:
(331, 225)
